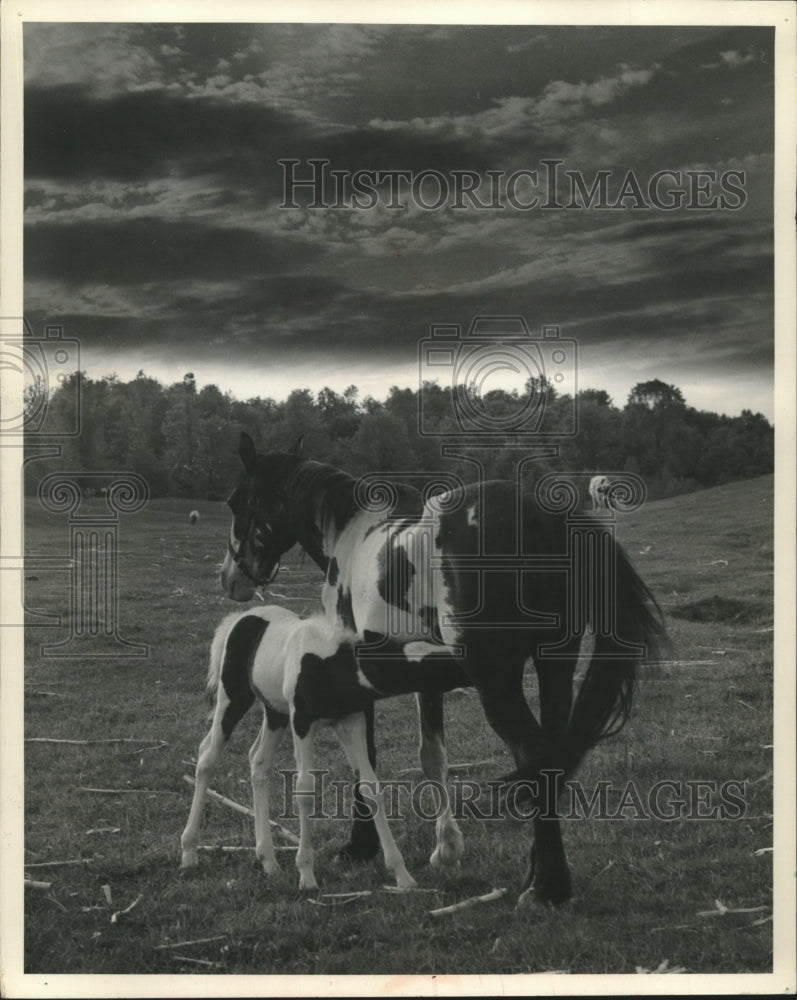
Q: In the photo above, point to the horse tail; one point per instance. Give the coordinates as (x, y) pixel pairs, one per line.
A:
(217, 656)
(604, 699)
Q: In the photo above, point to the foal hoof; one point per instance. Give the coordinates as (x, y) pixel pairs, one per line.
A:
(445, 857)
(268, 868)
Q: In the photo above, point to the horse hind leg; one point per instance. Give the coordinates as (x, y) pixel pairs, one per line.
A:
(504, 703)
(450, 844)
(548, 878)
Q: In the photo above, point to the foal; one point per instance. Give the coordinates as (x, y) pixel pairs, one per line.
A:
(303, 671)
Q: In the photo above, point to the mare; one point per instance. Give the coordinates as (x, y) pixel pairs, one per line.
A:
(497, 575)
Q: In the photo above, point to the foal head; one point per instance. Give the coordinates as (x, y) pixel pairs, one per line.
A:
(262, 529)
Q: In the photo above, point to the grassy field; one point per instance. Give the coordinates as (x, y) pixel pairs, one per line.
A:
(640, 883)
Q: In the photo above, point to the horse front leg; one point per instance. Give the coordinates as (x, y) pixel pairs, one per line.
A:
(363, 844)
(450, 844)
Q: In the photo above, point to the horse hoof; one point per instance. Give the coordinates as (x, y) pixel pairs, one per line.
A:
(359, 853)
(536, 901)
(189, 861)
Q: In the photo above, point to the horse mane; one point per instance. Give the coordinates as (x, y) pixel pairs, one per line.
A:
(325, 491)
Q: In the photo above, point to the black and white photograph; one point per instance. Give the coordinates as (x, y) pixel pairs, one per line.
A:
(398, 498)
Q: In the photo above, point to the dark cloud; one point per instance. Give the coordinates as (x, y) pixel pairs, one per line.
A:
(207, 111)
(71, 133)
(133, 251)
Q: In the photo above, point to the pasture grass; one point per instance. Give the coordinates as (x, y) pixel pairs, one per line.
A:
(639, 883)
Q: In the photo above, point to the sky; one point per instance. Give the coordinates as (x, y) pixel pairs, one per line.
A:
(159, 233)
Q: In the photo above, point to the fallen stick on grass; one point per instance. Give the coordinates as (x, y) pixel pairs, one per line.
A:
(185, 944)
(125, 791)
(685, 663)
(334, 902)
(415, 888)
(85, 743)
(196, 961)
(488, 897)
(345, 895)
(720, 910)
(58, 864)
(127, 909)
(663, 968)
(224, 801)
(235, 847)
(33, 884)
(451, 767)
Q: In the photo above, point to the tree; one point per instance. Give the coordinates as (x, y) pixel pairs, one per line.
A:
(181, 427)
(381, 444)
(655, 394)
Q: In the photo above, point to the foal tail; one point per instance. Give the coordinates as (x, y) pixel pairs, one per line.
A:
(217, 655)
(604, 699)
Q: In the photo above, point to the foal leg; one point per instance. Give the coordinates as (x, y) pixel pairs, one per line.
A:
(434, 762)
(226, 715)
(210, 750)
(261, 766)
(351, 732)
(305, 794)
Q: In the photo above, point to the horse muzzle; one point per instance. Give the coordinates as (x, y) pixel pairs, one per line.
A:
(235, 584)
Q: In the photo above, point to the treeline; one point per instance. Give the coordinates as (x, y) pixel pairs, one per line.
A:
(183, 440)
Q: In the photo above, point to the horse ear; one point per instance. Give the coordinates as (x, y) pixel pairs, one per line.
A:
(297, 448)
(246, 451)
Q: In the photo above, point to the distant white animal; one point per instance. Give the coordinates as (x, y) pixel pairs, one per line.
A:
(193, 517)
(598, 490)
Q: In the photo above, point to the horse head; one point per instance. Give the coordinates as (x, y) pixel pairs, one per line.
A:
(262, 528)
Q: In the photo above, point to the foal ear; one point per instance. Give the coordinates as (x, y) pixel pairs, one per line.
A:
(246, 451)
(297, 448)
